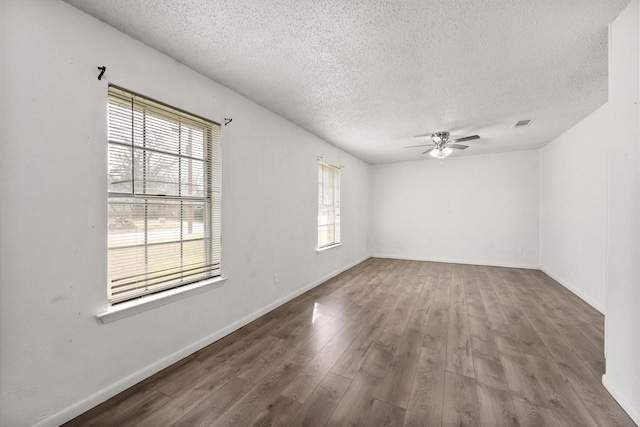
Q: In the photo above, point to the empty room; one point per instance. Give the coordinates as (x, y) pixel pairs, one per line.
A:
(319, 213)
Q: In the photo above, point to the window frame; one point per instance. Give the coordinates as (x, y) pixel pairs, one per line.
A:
(328, 206)
(209, 200)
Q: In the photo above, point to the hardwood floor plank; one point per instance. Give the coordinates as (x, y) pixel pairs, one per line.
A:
(489, 372)
(92, 416)
(231, 339)
(460, 407)
(349, 363)
(416, 282)
(358, 400)
(566, 405)
(302, 385)
(482, 337)
(190, 398)
(495, 407)
(497, 284)
(320, 405)
(172, 380)
(459, 357)
(420, 314)
(221, 356)
(254, 352)
(435, 337)
(371, 308)
(340, 292)
(133, 410)
(427, 394)
(491, 302)
(316, 342)
(176, 383)
(530, 342)
(593, 334)
(502, 329)
(396, 386)
(588, 352)
(304, 326)
(259, 397)
(277, 413)
(507, 344)
(588, 386)
(554, 313)
(475, 305)
(384, 414)
(390, 302)
(442, 289)
(522, 381)
(537, 319)
(568, 299)
(259, 369)
(400, 316)
(476, 308)
(209, 410)
(533, 416)
(353, 302)
(419, 318)
(556, 301)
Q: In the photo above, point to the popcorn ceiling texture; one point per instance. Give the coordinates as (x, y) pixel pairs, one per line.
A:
(370, 75)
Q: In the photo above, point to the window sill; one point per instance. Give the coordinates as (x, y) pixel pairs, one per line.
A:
(326, 248)
(129, 308)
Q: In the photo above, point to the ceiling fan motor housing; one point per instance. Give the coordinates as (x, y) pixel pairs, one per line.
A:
(440, 137)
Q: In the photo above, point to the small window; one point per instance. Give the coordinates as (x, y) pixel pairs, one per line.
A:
(163, 197)
(328, 205)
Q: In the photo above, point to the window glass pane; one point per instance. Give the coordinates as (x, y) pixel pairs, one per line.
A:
(120, 169)
(160, 133)
(158, 173)
(126, 223)
(120, 118)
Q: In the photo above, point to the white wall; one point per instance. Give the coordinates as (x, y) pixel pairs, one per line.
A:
(622, 320)
(473, 209)
(573, 207)
(56, 359)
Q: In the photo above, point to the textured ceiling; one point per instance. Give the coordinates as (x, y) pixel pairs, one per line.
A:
(370, 75)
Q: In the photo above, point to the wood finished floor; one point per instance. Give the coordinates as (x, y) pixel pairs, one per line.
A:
(392, 342)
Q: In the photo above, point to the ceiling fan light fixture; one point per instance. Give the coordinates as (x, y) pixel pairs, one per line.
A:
(440, 153)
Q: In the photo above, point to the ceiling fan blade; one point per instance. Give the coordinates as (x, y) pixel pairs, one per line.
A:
(466, 138)
(422, 145)
(458, 146)
(429, 150)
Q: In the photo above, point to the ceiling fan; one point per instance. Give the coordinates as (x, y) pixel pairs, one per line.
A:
(442, 145)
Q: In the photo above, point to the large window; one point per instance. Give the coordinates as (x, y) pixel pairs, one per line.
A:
(164, 197)
(328, 205)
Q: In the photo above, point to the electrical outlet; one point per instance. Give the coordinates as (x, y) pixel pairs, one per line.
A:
(276, 278)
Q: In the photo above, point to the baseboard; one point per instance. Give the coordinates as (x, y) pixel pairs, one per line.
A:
(574, 291)
(459, 261)
(626, 404)
(95, 399)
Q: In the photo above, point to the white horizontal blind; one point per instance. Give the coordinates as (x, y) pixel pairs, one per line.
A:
(164, 197)
(328, 205)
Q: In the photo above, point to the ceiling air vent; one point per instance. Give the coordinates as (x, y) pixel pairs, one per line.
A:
(523, 123)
